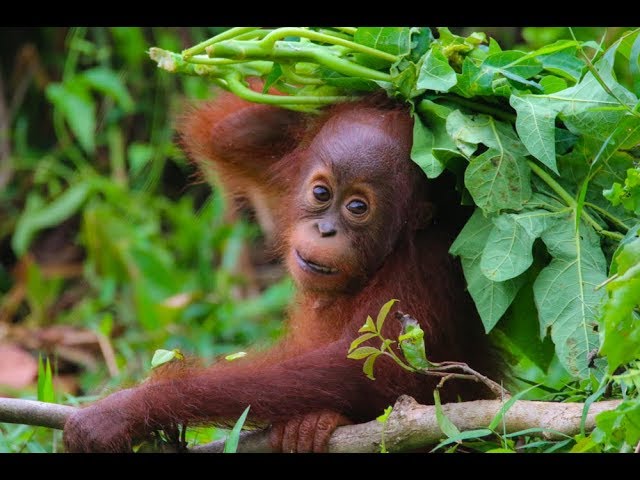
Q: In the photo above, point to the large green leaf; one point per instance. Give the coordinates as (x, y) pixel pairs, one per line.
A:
(560, 59)
(535, 123)
(507, 252)
(491, 298)
(498, 180)
(467, 131)
(394, 40)
(432, 147)
(422, 149)
(565, 292)
(436, 73)
(510, 66)
(587, 108)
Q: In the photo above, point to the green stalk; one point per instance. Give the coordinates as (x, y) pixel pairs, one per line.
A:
(231, 33)
(570, 201)
(294, 51)
(334, 33)
(619, 223)
(480, 107)
(254, 35)
(290, 74)
(236, 86)
(349, 30)
(281, 33)
(205, 60)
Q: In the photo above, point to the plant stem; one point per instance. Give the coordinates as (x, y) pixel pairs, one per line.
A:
(608, 215)
(205, 60)
(293, 51)
(570, 201)
(231, 33)
(349, 30)
(290, 74)
(321, 37)
(236, 86)
(480, 107)
(444, 368)
(390, 353)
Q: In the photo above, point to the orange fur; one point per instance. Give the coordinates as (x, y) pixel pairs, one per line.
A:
(306, 386)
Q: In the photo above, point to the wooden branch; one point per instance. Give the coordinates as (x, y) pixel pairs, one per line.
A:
(409, 427)
(30, 412)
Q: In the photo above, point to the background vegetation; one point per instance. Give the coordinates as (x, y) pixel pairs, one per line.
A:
(112, 247)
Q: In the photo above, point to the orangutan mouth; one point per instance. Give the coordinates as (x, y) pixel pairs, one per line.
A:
(312, 267)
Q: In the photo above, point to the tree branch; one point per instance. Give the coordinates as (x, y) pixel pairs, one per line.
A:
(410, 425)
(30, 412)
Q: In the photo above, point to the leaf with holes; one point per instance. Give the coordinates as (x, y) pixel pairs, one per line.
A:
(498, 180)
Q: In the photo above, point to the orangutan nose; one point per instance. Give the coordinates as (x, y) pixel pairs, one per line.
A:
(326, 228)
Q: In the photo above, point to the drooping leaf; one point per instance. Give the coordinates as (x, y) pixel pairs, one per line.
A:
(491, 298)
(367, 366)
(535, 123)
(422, 149)
(565, 293)
(432, 147)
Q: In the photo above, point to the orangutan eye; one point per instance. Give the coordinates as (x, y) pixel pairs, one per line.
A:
(321, 193)
(357, 207)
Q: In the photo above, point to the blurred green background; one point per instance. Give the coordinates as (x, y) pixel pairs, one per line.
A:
(111, 245)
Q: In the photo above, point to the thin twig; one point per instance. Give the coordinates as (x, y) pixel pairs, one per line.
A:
(497, 389)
